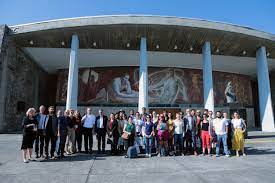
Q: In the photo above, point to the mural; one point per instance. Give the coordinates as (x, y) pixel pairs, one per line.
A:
(232, 88)
(119, 85)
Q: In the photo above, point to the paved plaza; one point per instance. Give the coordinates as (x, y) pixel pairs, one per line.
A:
(258, 166)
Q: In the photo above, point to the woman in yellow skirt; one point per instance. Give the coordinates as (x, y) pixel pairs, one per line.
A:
(239, 128)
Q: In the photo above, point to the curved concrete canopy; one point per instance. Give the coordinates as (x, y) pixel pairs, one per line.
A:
(139, 20)
(163, 34)
(111, 33)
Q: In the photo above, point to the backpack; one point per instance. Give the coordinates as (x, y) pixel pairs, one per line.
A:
(132, 152)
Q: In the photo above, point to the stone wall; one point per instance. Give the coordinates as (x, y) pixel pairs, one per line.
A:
(26, 85)
(3, 31)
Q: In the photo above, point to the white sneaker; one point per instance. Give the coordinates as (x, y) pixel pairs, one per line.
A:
(26, 161)
(149, 155)
(146, 155)
(227, 155)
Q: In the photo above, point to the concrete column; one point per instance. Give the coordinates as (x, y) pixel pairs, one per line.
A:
(143, 76)
(266, 110)
(72, 87)
(208, 94)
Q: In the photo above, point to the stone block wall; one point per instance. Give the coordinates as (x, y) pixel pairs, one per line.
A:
(26, 85)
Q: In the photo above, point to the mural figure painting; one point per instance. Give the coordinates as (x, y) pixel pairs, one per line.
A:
(119, 85)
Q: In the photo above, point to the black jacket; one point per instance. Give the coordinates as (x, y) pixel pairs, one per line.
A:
(53, 130)
(105, 121)
(114, 128)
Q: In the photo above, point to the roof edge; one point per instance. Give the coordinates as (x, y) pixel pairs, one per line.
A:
(144, 19)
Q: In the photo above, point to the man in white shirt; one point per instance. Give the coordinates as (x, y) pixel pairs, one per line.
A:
(220, 126)
(88, 122)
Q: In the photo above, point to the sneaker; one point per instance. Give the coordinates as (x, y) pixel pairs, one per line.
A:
(25, 161)
(149, 155)
(217, 155)
(244, 154)
(227, 155)
(146, 155)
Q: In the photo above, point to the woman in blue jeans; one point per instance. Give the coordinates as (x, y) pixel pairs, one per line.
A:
(148, 132)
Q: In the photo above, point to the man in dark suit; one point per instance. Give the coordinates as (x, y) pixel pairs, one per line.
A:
(51, 126)
(41, 117)
(101, 130)
(190, 132)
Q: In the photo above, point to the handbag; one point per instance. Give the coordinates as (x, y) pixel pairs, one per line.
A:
(125, 136)
(109, 141)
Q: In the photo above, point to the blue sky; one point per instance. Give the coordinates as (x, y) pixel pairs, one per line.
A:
(258, 14)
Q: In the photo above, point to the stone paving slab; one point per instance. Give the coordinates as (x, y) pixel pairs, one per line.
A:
(258, 166)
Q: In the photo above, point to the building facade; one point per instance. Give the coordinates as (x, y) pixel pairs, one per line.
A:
(129, 62)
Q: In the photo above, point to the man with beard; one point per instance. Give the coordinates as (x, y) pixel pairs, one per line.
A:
(51, 126)
(220, 127)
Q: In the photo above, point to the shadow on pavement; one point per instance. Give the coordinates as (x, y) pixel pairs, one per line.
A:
(260, 136)
(255, 151)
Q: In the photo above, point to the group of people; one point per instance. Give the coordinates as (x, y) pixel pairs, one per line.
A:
(189, 132)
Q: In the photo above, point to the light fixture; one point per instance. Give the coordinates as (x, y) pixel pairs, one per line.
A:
(31, 42)
(244, 52)
(217, 50)
(175, 47)
(128, 45)
(94, 44)
(157, 46)
(267, 54)
(191, 48)
(63, 43)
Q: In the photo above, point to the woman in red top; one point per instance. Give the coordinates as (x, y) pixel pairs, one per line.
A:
(205, 134)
